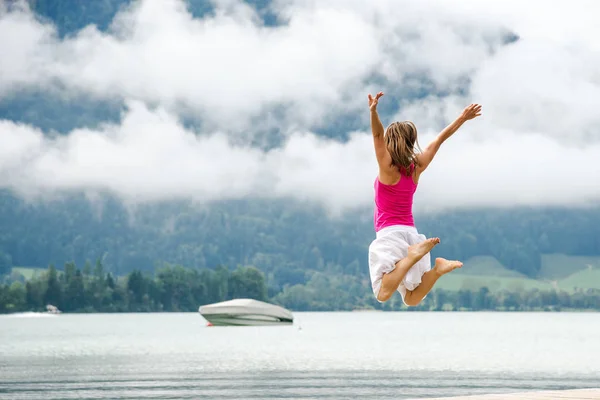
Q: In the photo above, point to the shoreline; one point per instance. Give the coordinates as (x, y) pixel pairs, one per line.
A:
(570, 311)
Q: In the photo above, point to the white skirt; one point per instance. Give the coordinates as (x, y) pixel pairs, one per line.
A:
(389, 247)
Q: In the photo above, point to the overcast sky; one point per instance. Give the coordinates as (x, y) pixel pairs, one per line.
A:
(538, 141)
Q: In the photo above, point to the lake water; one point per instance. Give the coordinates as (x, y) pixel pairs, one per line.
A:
(362, 355)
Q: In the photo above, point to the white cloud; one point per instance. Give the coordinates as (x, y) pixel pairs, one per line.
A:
(150, 156)
(510, 169)
(537, 143)
(562, 23)
(225, 68)
(228, 67)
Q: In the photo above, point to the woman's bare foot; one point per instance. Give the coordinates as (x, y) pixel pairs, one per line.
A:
(443, 266)
(417, 251)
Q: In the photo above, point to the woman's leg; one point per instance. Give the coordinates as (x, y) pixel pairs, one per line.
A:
(442, 267)
(391, 280)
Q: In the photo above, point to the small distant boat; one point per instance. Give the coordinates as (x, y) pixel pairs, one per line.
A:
(50, 309)
(245, 312)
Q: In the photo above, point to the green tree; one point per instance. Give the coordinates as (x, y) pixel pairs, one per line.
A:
(441, 298)
(247, 282)
(69, 274)
(482, 301)
(75, 296)
(98, 289)
(465, 299)
(512, 301)
(13, 298)
(110, 281)
(297, 297)
(141, 292)
(5, 263)
(175, 286)
(53, 293)
(218, 284)
(34, 294)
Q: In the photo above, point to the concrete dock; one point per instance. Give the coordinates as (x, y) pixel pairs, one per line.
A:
(580, 394)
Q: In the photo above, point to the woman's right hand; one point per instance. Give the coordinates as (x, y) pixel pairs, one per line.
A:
(470, 112)
(373, 101)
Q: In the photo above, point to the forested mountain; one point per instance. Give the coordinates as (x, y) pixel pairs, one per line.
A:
(309, 260)
(283, 238)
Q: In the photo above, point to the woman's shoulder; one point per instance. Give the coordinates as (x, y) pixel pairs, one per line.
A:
(389, 175)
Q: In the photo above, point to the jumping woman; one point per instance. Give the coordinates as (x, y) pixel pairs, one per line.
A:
(399, 258)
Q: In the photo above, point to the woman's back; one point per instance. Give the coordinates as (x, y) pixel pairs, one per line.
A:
(394, 203)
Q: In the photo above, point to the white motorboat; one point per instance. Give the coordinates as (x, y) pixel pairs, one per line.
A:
(245, 312)
(50, 309)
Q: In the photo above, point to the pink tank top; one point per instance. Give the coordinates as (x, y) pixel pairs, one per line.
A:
(393, 203)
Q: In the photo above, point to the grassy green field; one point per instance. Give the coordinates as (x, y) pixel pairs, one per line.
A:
(558, 271)
(586, 279)
(28, 272)
(560, 266)
(475, 282)
(487, 266)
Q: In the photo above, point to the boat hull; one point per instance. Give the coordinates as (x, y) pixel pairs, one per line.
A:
(245, 320)
(245, 312)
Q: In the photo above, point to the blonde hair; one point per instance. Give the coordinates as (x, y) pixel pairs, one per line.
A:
(400, 139)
